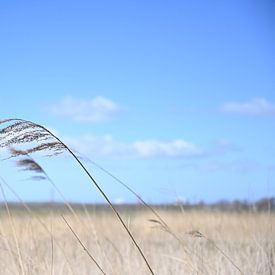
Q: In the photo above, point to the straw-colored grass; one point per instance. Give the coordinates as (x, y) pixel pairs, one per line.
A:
(170, 242)
(246, 238)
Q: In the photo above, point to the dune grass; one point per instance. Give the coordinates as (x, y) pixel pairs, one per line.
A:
(93, 243)
(245, 237)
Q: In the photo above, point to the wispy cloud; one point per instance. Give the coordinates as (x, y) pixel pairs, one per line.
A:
(223, 147)
(107, 146)
(85, 110)
(233, 166)
(174, 148)
(256, 106)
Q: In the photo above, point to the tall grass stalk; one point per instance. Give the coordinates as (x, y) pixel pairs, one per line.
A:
(52, 246)
(83, 246)
(13, 231)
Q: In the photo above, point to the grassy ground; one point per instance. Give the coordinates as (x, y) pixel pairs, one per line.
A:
(42, 243)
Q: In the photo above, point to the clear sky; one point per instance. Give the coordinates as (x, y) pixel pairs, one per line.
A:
(175, 98)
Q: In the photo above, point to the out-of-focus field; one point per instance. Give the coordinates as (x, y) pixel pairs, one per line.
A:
(42, 243)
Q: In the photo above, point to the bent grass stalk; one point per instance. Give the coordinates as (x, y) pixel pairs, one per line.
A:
(157, 215)
(198, 234)
(83, 246)
(160, 221)
(88, 217)
(25, 131)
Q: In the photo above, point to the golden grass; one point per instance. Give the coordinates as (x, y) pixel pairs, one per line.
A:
(247, 238)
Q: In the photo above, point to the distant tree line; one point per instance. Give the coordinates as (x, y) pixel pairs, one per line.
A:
(264, 204)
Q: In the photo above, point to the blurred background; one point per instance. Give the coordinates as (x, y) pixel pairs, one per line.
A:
(175, 99)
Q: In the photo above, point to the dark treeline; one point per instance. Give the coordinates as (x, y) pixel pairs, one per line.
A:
(262, 205)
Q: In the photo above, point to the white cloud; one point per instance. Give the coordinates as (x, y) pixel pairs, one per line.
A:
(174, 148)
(106, 146)
(82, 110)
(256, 106)
(99, 146)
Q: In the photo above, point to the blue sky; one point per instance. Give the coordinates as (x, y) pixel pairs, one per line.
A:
(176, 99)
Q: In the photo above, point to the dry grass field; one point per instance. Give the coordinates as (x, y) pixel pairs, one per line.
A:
(50, 239)
(41, 242)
